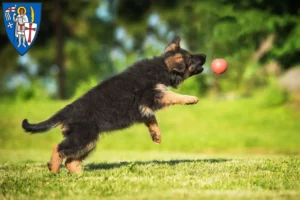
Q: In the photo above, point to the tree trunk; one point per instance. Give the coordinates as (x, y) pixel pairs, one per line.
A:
(59, 51)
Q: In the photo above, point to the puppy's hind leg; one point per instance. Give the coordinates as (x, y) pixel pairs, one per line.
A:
(55, 161)
(56, 158)
(73, 165)
(77, 146)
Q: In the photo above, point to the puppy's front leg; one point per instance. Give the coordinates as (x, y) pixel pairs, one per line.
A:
(154, 131)
(172, 98)
(168, 98)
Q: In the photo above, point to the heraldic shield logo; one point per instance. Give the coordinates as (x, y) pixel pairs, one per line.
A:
(22, 23)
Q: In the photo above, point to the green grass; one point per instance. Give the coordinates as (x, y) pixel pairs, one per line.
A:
(152, 175)
(212, 150)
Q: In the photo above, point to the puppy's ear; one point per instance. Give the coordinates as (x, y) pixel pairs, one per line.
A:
(176, 63)
(178, 67)
(174, 45)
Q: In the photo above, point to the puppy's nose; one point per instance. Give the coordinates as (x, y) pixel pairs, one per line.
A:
(200, 56)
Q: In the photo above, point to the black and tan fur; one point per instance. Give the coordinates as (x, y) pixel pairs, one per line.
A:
(132, 96)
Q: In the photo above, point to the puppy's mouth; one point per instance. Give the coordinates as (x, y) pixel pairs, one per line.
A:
(198, 70)
(199, 60)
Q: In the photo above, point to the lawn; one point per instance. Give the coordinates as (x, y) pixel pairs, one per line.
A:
(215, 149)
(152, 175)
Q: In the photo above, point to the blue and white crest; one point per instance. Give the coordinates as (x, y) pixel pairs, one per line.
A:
(22, 23)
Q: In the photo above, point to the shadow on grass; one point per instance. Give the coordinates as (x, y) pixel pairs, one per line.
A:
(97, 166)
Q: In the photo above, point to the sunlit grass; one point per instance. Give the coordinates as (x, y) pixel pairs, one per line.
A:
(151, 175)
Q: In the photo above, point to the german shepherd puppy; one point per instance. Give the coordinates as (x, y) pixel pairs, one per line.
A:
(129, 97)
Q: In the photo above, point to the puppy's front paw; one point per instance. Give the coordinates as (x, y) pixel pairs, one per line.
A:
(156, 138)
(189, 100)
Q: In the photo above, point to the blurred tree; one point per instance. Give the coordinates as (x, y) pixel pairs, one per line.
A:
(103, 37)
(59, 50)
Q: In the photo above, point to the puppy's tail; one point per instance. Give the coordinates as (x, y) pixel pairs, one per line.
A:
(42, 126)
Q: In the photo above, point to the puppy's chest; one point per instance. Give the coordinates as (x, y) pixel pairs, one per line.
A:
(150, 100)
(146, 111)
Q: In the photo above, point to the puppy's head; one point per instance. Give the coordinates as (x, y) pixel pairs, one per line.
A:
(182, 63)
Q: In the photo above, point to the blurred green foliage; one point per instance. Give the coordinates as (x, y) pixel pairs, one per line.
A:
(275, 96)
(104, 37)
(84, 86)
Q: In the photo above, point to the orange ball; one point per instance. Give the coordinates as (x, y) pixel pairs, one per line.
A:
(218, 66)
